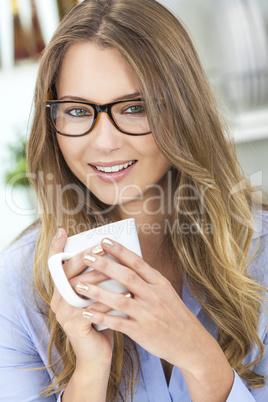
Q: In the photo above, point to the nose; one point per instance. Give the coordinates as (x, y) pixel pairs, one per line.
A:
(105, 137)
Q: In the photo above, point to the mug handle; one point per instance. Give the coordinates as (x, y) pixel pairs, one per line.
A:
(62, 283)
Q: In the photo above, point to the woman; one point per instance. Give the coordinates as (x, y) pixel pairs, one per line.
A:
(156, 151)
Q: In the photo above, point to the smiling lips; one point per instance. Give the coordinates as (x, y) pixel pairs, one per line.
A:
(113, 171)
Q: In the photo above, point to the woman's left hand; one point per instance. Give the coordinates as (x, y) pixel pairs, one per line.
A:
(161, 323)
(158, 319)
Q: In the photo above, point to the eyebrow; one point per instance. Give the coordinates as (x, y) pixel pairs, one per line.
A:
(128, 96)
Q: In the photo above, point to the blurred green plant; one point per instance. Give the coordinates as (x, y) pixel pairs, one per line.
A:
(17, 175)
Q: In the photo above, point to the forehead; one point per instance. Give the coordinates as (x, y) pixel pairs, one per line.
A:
(97, 74)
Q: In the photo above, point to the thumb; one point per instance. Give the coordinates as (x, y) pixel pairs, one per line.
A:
(58, 242)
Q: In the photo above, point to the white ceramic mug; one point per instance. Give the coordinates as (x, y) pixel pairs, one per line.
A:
(124, 232)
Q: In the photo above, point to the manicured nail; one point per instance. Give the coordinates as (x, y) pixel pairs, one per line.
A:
(81, 287)
(128, 295)
(89, 258)
(107, 242)
(58, 234)
(87, 314)
(97, 249)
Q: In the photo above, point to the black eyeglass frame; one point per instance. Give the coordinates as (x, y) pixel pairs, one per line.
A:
(106, 108)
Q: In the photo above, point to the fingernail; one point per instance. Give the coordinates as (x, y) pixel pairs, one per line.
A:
(87, 314)
(107, 242)
(81, 287)
(89, 258)
(128, 295)
(58, 234)
(97, 249)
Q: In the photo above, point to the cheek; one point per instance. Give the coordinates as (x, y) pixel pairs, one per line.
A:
(63, 146)
(69, 147)
(150, 150)
(72, 154)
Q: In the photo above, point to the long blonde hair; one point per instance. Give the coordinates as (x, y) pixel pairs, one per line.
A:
(189, 133)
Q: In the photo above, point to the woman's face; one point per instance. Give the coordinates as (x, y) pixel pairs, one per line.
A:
(102, 76)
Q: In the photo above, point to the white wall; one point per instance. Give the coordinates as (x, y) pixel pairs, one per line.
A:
(17, 88)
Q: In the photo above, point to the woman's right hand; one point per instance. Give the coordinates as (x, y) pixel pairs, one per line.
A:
(92, 348)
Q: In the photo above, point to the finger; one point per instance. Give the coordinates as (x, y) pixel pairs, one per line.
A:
(59, 305)
(76, 265)
(116, 323)
(131, 260)
(93, 277)
(116, 301)
(102, 308)
(122, 274)
(58, 242)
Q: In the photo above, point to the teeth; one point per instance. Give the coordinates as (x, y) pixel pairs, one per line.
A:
(115, 168)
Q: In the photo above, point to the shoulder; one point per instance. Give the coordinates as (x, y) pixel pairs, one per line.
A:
(23, 336)
(16, 262)
(20, 304)
(27, 238)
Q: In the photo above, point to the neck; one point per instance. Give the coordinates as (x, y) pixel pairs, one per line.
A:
(149, 221)
(150, 217)
(152, 228)
(150, 214)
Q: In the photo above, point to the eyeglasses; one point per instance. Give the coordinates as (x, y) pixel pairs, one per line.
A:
(77, 118)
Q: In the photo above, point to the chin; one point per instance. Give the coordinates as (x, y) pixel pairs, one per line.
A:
(119, 201)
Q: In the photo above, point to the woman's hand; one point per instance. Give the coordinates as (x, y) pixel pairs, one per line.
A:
(159, 321)
(92, 348)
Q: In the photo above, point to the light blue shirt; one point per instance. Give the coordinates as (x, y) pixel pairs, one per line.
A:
(23, 344)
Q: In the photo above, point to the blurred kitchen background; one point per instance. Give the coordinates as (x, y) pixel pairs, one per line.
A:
(231, 37)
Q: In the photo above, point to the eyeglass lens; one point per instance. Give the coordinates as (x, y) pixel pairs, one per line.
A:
(78, 118)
